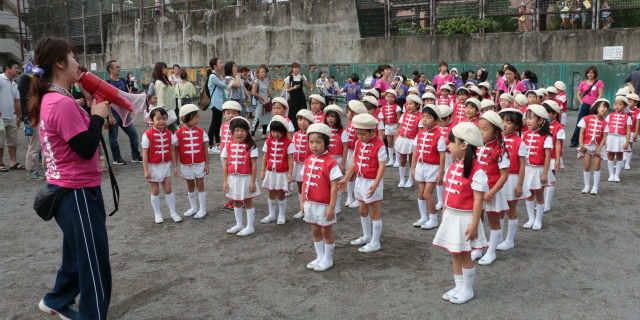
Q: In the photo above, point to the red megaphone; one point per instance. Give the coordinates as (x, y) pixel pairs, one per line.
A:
(126, 105)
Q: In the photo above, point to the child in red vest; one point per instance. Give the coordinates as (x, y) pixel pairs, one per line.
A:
(317, 104)
(389, 115)
(514, 189)
(230, 110)
(618, 136)
(444, 126)
(561, 98)
(194, 159)
(302, 152)
(409, 126)
(537, 175)
(320, 195)
(337, 147)
(368, 167)
(634, 112)
(461, 230)
(277, 168)
(279, 107)
(558, 135)
(350, 138)
(427, 165)
(458, 107)
(471, 111)
(506, 101)
(592, 140)
(239, 171)
(494, 160)
(157, 158)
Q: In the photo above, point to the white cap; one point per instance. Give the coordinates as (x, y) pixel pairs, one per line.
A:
(553, 105)
(507, 97)
(444, 111)
(319, 128)
(494, 118)
(333, 107)
(240, 118)
(371, 100)
(364, 121)
(391, 91)
(505, 110)
(623, 99)
(414, 90)
(281, 119)
(307, 114)
(318, 97)
(473, 101)
(485, 103)
(475, 90)
(373, 92)
(432, 107)
(468, 132)
(281, 101)
(415, 99)
(552, 90)
(633, 96)
(231, 105)
(428, 95)
(188, 108)
(357, 107)
(485, 84)
(521, 99)
(430, 88)
(560, 85)
(540, 111)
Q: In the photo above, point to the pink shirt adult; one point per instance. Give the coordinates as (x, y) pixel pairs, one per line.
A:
(60, 120)
(439, 80)
(511, 89)
(592, 95)
(383, 86)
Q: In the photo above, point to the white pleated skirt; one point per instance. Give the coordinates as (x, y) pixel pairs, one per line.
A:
(509, 189)
(402, 145)
(239, 187)
(275, 181)
(450, 235)
(532, 175)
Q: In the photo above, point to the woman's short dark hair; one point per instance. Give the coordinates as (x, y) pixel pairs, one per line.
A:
(228, 68)
(262, 66)
(183, 74)
(592, 69)
(295, 65)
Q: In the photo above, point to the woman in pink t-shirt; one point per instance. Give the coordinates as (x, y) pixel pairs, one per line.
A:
(442, 77)
(589, 91)
(512, 84)
(384, 83)
(70, 138)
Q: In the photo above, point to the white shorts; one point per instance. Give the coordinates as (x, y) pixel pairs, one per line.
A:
(509, 189)
(361, 190)
(192, 171)
(9, 136)
(563, 118)
(552, 164)
(450, 235)
(426, 172)
(615, 142)
(297, 171)
(350, 155)
(591, 150)
(239, 187)
(159, 171)
(532, 175)
(338, 159)
(498, 204)
(403, 145)
(447, 161)
(390, 129)
(315, 213)
(275, 181)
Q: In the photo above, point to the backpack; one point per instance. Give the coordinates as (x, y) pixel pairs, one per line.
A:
(204, 96)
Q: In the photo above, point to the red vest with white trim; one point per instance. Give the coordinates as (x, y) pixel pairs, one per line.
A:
(389, 114)
(535, 147)
(318, 117)
(457, 189)
(594, 129)
(488, 157)
(618, 123)
(335, 142)
(351, 136)
(458, 112)
(524, 111)
(554, 127)
(409, 127)
(444, 131)
(301, 143)
(366, 157)
(563, 104)
(238, 158)
(225, 135)
(634, 114)
(190, 145)
(277, 159)
(159, 145)
(447, 101)
(316, 178)
(474, 120)
(512, 143)
(427, 147)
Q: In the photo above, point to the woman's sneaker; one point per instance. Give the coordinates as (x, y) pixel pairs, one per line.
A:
(67, 313)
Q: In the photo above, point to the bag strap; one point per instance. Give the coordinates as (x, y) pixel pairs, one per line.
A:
(112, 178)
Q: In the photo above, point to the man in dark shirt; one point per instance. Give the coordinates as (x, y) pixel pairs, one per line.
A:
(114, 120)
(634, 79)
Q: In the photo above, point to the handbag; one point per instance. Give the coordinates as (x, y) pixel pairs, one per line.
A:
(204, 96)
(48, 199)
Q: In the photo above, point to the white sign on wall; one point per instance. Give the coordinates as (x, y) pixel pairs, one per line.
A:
(612, 53)
(94, 66)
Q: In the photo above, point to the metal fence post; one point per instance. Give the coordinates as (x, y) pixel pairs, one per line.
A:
(187, 7)
(102, 39)
(432, 16)
(386, 19)
(536, 20)
(595, 9)
(481, 16)
(120, 10)
(140, 14)
(84, 33)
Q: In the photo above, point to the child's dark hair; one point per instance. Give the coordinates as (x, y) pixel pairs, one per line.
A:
(149, 99)
(514, 118)
(161, 110)
(332, 77)
(325, 139)
(431, 112)
(189, 116)
(355, 78)
(469, 156)
(369, 105)
(338, 124)
(595, 106)
(501, 145)
(544, 130)
(279, 127)
(240, 123)
(303, 118)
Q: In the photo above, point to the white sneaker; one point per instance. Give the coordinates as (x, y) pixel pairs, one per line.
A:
(246, 231)
(585, 190)
(311, 265)
(176, 218)
(234, 229)
(360, 241)
(401, 184)
(611, 178)
(390, 163)
(409, 183)
(396, 165)
(66, 314)
(281, 221)
(298, 215)
(462, 297)
(213, 150)
(594, 191)
(200, 214)
(355, 204)
(268, 219)
(616, 179)
(159, 219)
(348, 202)
(420, 222)
(323, 265)
(536, 226)
(449, 294)
(528, 225)
(370, 247)
(430, 224)
(487, 260)
(627, 167)
(190, 212)
(439, 206)
(476, 254)
(505, 245)
(546, 209)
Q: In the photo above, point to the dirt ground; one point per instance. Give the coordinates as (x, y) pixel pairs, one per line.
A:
(582, 264)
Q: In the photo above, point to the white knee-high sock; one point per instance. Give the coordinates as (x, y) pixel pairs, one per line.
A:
(626, 157)
(299, 200)
(398, 155)
(610, 166)
(282, 205)
(402, 171)
(501, 224)
(202, 198)
(511, 232)
(251, 217)
(422, 205)
(531, 210)
(468, 276)
(273, 203)
(238, 213)
(392, 154)
(586, 176)
(440, 193)
(366, 227)
(548, 196)
(596, 179)
(619, 165)
(155, 204)
(338, 206)
(350, 187)
(539, 213)
(171, 203)
(377, 230)
(192, 200)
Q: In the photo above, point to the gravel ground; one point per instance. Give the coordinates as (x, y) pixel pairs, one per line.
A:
(581, 265)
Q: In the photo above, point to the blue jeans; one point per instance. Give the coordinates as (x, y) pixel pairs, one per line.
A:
(85, 268)
(584, 111)
(113, 139)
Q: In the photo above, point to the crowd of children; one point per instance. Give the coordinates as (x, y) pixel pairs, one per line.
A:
(479, 154)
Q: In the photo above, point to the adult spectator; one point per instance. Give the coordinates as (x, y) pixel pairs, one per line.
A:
(384, 83)
(113, 67)
(261, 94)
(70, 140)
(166, 94)
(174, 78)
(530, 80)
(9, 111)
(442, 77)
(467, 76)
(457, 80)
(132, 83)
(297, 99)
(512, 84)
(589, 91)
(481, 75)
(234, 86)
(634, 81)
(322, 78)
(216, 87)
(184, 90)
(33, 150)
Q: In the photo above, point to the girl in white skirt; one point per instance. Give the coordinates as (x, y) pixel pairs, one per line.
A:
(618, 137)
(277, 168)
(239, 171)
(493, 158)
(368, 167)
(409, 126)
(390, 115)
(320, 195)
(157, 157)
(634, 112)
(302, 152)
(592, 140)
(349, 136)
(514, 189)
(461, 230)
(537, 175)
(444, 126)
(337, 147)
(427, 166)
(558, 136)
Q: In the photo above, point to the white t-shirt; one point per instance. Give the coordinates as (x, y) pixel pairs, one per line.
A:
(504, 162)
(8, 94)
(441, 145)
(295, 78)
(291, 149)
(480, 181)
(253, 154)
(561, 135)
(145, 141)
(382, 155)
(606, 128)
(522, 149)
(583, 124)
(335, 173)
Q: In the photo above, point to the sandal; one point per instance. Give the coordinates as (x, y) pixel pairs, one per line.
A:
(3, 168)
(17, 166)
